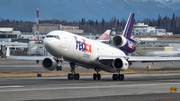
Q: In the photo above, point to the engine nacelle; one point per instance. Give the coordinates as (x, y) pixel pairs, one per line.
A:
(120, 64)
(49, 64)
(119, 41)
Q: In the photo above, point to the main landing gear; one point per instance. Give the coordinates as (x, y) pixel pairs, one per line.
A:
(118, 76)
(73, 75)
(97, 76)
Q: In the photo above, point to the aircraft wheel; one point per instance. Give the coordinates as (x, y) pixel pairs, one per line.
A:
(73, 76)
(94, 77)
(70, 76)
(115, 77)
(76, 76)
(122, 77)
(59, 68)
(99, 76)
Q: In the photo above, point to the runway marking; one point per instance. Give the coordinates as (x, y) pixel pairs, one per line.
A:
(11, 86)
(87, 87)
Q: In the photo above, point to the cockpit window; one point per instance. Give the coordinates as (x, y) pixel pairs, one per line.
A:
(56, 36)
(53, 36)
(49, 36)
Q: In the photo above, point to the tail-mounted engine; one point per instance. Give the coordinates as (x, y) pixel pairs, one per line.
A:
(127, 45)
(120, 64)
(119, 41)
(49, 64)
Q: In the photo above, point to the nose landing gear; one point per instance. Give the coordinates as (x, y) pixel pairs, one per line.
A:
(59, 67)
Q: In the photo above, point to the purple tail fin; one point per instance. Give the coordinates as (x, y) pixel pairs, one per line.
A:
(130, 45)
(128, 28)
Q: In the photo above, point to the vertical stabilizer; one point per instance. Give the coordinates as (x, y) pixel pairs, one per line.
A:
(105, 35)
(128, 28)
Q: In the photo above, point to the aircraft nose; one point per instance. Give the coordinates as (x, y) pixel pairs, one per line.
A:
(47, 43)
(52, 45)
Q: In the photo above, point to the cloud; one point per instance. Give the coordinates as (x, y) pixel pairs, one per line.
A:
(176, 1)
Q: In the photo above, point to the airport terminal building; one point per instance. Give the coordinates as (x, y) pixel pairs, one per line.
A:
(46, 28)
(142, 29)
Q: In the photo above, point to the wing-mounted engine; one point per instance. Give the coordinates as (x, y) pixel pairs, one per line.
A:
(119, 41)
(120, 64)
(49, 64)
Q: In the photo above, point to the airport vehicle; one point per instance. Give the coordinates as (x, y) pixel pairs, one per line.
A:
(81, 51)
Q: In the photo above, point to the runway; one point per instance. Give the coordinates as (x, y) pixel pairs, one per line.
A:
(7, 66)
(136, 87)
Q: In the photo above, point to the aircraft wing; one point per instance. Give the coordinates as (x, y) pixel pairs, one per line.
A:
(28, 57)
(109, 59)
(152, 59)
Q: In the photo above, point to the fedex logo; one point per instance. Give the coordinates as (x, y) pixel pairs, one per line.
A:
(130, 45)
(105, 36)
(82, 45)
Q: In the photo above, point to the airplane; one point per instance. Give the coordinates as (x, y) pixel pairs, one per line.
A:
(105, 35)
(81, 51)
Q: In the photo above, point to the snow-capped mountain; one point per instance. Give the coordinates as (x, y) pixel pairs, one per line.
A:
(75, 10)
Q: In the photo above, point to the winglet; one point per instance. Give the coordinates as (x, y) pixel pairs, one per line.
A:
(128, 28)
(105, 35)
(7, 51)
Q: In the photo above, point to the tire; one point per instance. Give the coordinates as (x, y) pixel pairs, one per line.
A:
(115, 77)
(76, 76)
(94, 77)
(99, 76)
(121, 77)
(38, 75)
(60, 68)
(70, 76)
(57, 68)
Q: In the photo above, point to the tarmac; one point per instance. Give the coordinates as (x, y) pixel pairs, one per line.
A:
(135, 87)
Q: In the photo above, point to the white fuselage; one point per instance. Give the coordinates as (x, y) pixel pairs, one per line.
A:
(79, 50)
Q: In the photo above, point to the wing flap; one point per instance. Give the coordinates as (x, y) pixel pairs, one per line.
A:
(152, 59)
(104, 59)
